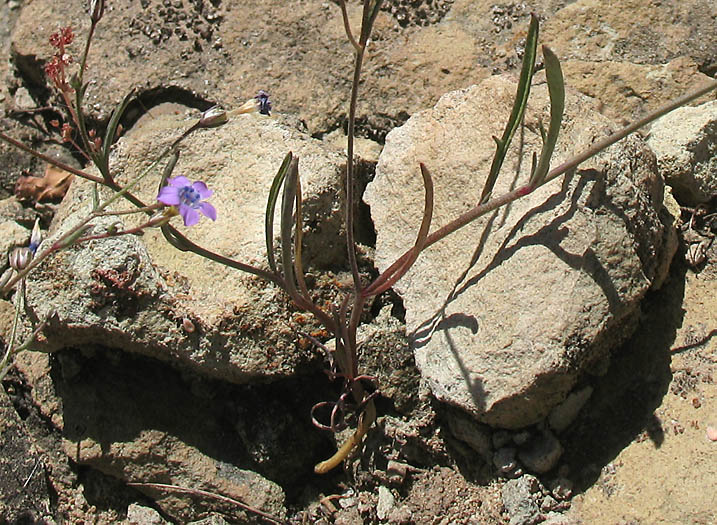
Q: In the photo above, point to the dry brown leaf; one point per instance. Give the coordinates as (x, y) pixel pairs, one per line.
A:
(52, 186)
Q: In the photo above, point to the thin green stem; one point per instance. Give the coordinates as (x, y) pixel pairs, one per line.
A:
(350, 241)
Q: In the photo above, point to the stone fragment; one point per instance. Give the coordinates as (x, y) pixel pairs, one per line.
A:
(138, 421)
(386, 502)
(141, 515)
(506, 313)
(504, 460)
(685, 143)
(477, 436)
(556, 518)
(542, 453)
(565, 413)
(561, 488)
(518, 500)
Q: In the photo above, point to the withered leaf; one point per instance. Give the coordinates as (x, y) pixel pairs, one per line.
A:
(51, 187)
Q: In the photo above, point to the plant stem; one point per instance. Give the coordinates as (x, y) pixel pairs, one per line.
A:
(50, 160)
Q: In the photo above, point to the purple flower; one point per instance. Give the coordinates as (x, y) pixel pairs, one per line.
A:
(188, 198)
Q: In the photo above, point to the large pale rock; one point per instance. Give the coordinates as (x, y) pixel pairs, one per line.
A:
(685, 143)
(145, 296)
(507, 312)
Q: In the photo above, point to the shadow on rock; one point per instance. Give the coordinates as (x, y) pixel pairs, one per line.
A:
(113, 400)
(624, 401)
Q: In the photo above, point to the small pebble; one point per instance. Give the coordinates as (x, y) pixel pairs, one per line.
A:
(712, 433)
(504, 459)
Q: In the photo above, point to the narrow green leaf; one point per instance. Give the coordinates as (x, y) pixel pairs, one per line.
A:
(519, 105)
(95, 197)
(271, 207)
(556, 90)
(113, 124)
(169, 168)
(287, 222)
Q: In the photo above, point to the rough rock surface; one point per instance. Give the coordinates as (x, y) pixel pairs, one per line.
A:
(685, 143)
(506, 313)
(201, 51)
(518, 500)
(143, 295)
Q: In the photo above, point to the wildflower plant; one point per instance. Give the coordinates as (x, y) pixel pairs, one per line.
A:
(179, 195)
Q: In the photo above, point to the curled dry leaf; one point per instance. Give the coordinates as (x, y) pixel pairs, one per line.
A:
(52, 186)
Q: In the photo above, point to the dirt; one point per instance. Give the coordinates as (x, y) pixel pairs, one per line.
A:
(637, 454)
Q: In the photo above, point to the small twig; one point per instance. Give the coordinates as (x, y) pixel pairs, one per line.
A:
(218, 497)
(34, 469)
(50, 160)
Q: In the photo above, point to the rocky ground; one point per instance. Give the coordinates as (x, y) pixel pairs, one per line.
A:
(634, 442)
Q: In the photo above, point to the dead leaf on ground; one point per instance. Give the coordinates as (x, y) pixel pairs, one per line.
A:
(52, 186)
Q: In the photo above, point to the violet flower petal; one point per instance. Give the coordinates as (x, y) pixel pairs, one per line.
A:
(189, 214)
(169, 195)
(208, 210)
(202, 189)
(180, 181)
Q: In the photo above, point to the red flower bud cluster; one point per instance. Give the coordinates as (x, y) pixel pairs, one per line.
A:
(63, 37)
(55, 68)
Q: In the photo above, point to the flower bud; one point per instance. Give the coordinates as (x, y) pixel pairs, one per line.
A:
(262, 100)
(213, 117)
(35, 237)
(97, 9)
(260, 103)
(20, 258)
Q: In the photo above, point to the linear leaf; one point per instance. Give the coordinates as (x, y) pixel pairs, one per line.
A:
(287, 222)
(112, 125)
(519, 105)
(556, 90)
(271, 207)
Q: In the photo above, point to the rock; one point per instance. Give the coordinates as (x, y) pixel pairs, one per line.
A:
(561, 488)
(506, 313)
(548, 504)
(542, 453)
(685, 143)
(217, 52)
(671, 217)
(518, 500)
(556, 518)
(477, 436)
(140, 515)
(385, 353)
(386, 503)
(401, 515)
(632, 56)
(565, 413)
(139, 294)
(501, 438)
(504, 460)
